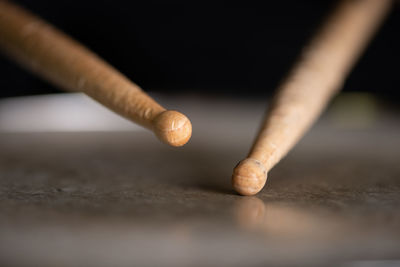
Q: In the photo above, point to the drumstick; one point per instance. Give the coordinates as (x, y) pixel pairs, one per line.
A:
(53, 55)
(318, 74)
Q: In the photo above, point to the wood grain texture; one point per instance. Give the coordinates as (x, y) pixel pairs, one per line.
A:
(316, 77)
(46, 51)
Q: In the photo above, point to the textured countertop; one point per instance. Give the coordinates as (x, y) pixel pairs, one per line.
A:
(118, 197)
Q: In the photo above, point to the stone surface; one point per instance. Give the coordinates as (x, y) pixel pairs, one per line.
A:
(125, 199)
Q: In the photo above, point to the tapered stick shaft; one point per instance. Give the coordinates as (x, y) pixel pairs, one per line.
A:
(315, 78)
(53, 55)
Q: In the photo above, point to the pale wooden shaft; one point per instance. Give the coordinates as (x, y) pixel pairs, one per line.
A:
(319, 73)
(55, 56)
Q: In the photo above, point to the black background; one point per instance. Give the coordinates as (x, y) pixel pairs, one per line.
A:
(224, 48)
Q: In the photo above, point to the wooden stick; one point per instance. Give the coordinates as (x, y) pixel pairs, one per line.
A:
(319, 73)
(53, 55)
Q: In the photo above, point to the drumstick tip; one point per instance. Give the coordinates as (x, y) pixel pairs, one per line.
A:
(172, 128)
(249, 177)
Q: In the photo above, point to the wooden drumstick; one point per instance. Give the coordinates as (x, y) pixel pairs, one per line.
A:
(53, 55)
(318, 74)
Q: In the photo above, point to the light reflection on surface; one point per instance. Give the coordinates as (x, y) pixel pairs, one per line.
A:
(303, 232)
(283, 221)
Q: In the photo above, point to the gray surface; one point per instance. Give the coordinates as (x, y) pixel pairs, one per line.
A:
(124, 199)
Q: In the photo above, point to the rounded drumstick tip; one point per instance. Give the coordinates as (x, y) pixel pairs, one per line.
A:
(249, 177)
(172, 128)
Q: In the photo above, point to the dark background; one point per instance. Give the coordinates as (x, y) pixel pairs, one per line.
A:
(240, 49)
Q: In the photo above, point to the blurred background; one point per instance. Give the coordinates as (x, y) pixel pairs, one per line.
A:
(81, 186)
(219, 48)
